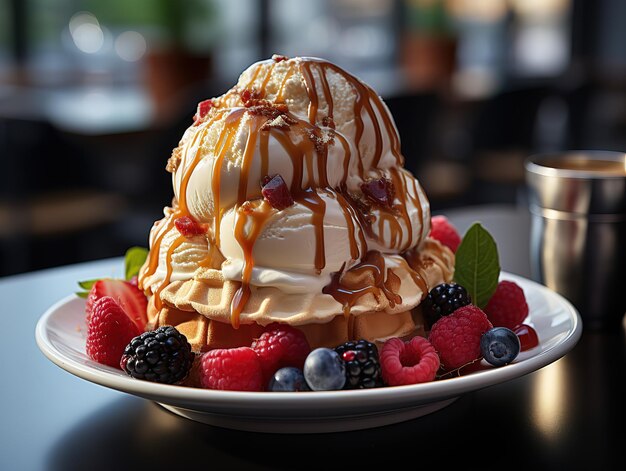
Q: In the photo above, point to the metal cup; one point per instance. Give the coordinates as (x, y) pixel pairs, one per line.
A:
(577, 202)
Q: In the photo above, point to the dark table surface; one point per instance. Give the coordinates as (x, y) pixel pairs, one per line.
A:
(568, 415)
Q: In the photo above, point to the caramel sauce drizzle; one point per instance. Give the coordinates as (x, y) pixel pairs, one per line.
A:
(224, 142)
(305, 69)
(155, 248)
(373, 265)
(182, 204)
(207, 262)
(267, 76)
(415, 200)
(315, 203)
(281, 88)
(364, 97)
(168, 263)
(153, 260)
(364, 102)
(245, 214)
(264, 143)
(249, 222)
(389, 127)
(255, 75)
(401, 192)
(352, 219)
(327, 94)
(417, 265)
(306, 196)
(253, 131)
(346, 159)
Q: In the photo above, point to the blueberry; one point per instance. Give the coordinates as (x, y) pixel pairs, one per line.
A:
(499, 346)
(288, 379)
(324, 370)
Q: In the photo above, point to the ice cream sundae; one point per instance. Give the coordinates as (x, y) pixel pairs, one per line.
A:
(291, 205)
(298, 253)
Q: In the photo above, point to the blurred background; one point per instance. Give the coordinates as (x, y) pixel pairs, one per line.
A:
(95, 94)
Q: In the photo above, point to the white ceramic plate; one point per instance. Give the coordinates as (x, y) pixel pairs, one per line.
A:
(61, 333)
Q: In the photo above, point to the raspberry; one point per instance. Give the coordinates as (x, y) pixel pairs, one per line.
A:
(507, 307)
(234, 369)
(442, 230)
(108, 332)
(280, 346)
(457, 337)
(411, 362)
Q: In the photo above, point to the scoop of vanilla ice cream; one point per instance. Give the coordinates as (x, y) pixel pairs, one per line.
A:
(184, 259)
(286, 81)
(286, 78)
(284, 252)
(200, 154)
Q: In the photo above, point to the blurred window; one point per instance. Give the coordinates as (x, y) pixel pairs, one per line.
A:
(355, 33)
(501, 40)
(494, 39)
(540, 37)
(237, 42)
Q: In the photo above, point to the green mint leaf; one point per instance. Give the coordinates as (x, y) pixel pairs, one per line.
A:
(133, 261)
(82, 294)
(87, 284)
(477, 266)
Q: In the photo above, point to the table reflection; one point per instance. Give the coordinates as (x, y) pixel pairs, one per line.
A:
(549, 397)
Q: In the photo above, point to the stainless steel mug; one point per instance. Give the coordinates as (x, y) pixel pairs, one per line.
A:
(578, 230)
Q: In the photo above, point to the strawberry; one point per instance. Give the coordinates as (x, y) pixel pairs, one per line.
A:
(109, 331)
(441, 229)
(129, 297)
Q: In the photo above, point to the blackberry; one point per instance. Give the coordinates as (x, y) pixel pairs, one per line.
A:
(443, 300)
(161, 356)
(362, 364)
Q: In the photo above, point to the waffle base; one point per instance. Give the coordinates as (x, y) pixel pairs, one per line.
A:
(200, 307)
(205, 334)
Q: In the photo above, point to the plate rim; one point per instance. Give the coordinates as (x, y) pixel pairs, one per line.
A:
(266, 402)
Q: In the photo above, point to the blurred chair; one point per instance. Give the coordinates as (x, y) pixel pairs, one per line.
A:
(49, 208)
